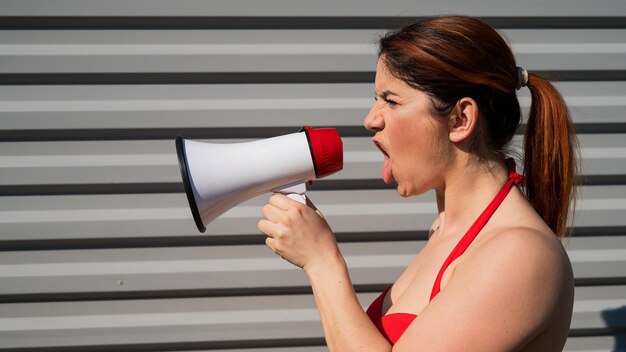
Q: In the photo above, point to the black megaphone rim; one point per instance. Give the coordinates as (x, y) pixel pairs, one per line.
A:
(184, 172)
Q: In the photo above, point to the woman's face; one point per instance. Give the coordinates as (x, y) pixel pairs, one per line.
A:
(412, 141)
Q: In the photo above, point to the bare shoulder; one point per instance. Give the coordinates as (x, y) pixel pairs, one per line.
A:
(526, 274)
(524, 246)
(530, 253)
(526, 264)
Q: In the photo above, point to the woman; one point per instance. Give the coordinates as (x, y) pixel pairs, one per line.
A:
(493, 275)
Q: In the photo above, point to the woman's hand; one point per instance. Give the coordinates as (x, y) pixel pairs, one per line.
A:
(297, 232)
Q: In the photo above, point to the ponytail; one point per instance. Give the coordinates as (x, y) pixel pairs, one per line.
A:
(550, 149)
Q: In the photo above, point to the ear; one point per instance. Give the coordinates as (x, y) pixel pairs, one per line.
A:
(463, 120)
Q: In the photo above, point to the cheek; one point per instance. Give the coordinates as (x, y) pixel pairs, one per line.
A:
(404, 144)
(421, 154)
(414, 142)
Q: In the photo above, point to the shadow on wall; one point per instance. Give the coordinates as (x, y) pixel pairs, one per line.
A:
(616, 320)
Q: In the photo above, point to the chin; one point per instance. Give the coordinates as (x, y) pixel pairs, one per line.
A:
(408, 190)
(404, 191)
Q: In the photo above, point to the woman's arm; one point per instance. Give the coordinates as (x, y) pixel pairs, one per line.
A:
(346, 326)
(300, 235)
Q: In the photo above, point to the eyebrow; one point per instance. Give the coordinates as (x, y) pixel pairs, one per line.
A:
(387, 93)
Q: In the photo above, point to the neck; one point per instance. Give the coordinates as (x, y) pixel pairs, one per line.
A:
(466, 191)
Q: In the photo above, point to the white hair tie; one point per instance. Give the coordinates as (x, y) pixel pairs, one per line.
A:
(522, 77)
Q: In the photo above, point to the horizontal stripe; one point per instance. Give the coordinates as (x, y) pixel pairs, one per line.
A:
(176, 294)
(243, 240)
(113, 134)
(168, 133)
(227, 292)
(296, 22)
(195, 241)
(254, 77)
(175, 187)
(179, 346)
(233, 49)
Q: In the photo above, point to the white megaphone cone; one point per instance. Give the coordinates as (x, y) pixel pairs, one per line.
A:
(218, 177)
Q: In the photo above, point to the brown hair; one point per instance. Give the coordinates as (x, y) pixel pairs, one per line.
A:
(456, 56)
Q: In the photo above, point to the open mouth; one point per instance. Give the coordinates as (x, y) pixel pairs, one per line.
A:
(386, 172)
(382, 150)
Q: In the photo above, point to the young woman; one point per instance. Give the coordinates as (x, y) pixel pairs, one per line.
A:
(493, 275)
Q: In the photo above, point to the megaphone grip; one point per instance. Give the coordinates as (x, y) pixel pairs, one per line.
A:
(297, 197)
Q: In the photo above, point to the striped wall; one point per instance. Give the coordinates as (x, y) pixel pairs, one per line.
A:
(98, 250)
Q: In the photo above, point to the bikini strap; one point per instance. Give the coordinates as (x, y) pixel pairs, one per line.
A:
(474, 230)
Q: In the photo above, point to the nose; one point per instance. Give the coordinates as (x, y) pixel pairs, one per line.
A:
(374, 120)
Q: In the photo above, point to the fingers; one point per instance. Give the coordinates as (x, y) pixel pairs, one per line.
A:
(276, 208)
(272, 244)
(266, 227)
(273, 213)
(269, 242)
(280, 208)
(282, 202)
(276, 218)
(291, 228)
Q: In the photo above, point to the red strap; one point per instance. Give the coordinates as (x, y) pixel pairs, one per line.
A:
(470, 235)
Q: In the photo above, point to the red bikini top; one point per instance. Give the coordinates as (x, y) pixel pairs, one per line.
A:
(393, 325)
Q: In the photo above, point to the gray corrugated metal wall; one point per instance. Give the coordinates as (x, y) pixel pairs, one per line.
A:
(99, 251)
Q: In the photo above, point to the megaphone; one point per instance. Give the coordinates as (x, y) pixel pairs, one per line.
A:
(219, 176)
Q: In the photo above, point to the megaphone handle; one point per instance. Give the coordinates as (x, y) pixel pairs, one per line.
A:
(295, 191)
(299, 197)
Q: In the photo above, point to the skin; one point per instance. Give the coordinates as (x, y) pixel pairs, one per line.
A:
(513, 288)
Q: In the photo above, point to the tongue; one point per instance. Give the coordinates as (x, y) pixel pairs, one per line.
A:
(387, 177)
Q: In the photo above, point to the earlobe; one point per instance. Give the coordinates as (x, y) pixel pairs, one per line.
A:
(463, 120)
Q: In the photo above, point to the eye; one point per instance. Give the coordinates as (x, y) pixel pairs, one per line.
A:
(392, 104)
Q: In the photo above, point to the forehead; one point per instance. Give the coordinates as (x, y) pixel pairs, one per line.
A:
(385, 81)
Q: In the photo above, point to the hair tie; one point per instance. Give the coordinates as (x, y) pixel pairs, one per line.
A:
(522, 77)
